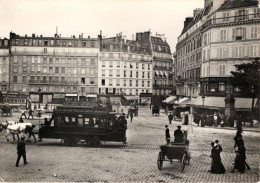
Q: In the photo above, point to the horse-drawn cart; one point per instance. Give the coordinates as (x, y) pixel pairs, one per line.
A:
(174, 151)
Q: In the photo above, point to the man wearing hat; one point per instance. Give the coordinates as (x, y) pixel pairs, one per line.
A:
(167, 133)
(21, 152)
(178, 135)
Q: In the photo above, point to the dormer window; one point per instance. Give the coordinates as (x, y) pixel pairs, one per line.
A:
(45, 42)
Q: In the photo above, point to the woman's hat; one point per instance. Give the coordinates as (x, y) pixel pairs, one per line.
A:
(217, 141)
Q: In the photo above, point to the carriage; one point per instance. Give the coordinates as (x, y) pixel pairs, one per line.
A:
(175, 151)
(90, 124)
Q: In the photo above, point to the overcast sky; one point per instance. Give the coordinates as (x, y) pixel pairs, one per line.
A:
(73, 17)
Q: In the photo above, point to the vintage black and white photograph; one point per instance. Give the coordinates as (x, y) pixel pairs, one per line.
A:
(129, 91)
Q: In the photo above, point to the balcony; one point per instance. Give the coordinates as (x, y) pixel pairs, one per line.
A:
(53, 53)
(162, 68)
(232, 20)
(42, 82)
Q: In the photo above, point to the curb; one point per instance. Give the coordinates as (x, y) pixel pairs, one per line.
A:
(229, 128)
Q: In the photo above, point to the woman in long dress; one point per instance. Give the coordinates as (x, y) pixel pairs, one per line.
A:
(216, 166)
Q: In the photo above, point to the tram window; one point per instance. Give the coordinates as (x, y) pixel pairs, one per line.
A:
(67, 119)
(86, 121)
(73, 120)
(80, 121)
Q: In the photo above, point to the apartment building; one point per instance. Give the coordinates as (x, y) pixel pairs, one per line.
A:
(230, 36)
(162, 62)
(4, 65)
(53, 64)
(125, 67)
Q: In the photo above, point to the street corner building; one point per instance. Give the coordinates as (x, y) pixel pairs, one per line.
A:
(217, 37)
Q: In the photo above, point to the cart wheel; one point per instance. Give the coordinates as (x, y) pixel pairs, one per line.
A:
(184, 161)
(160, 161)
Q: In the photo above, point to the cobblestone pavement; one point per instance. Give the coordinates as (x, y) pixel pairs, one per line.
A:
(51, 161)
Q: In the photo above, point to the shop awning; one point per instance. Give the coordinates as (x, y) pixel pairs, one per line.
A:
(166, 74)
(241, 104)
(58, 95)
(91, 95)
(161, 73)
(71, 95)
(170, 100)
(157, 73)
(131, 97)
(181, 100)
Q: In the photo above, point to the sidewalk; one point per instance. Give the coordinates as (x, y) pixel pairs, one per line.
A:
(255, 128)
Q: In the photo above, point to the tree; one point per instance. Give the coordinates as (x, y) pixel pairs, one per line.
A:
(246, 77)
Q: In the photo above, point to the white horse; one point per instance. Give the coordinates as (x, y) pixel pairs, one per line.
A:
(12, 128)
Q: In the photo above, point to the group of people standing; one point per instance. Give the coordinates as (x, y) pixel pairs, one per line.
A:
(240, 160)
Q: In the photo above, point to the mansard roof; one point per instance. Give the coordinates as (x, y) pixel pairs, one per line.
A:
(231, 4)
(204, 12)
(159, 41)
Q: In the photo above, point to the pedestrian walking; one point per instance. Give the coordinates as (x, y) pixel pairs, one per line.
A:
(131, 116)
(186, 119)
(167, 134)
(216, 167)
(170, 117)
(21, 152)
(239, 163)
(23, 114)
(30, 113)
(215, 116)
(29, 129)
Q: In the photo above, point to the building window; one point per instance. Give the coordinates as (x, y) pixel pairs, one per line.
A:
(131, 73)
(92, 44)
(50, 60)
(136, 83)
(253, 32)
(239, 33)
(148, 75)
(44, 69)
(24, 79)
(118, 64)
(142, 74)
(226, 16)
(137, 65)
(118, 73)
(103, 73)
(92, 80)
(15, 79)
(110, 63)
(117, 82)
(63, 70)
(82, 80)
(142, 66)
(223, 35)
(148, 66)
(44, 50)
(103, 82)
(256, 13)
(148, 83)
(142, 83)
(56, 69)
(221, 87)
(222, 70)
(83, 70)
(124, 82)
(92, 62)
(136, 74)
(110, 72)
(39, 69)
(50, 69)
(103, 64)
(111, 55)
(84, 44)
(130, 82)
(110, 82)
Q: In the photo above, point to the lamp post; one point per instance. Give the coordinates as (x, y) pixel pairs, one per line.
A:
(203, 116)
(39, 105)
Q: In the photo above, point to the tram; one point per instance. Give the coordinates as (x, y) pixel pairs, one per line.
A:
(91, 124)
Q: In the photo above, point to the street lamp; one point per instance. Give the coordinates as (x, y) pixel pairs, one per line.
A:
(39, 105)
(203, 100)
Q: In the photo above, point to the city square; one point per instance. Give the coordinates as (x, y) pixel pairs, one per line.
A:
(51, 160)
(129, 91)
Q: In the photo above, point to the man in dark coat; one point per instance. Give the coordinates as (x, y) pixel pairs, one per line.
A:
(178, 135)
(30, 113)
(131, 116)
(21, 152)
(170, 117)
(29, 129)
(167, 133)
